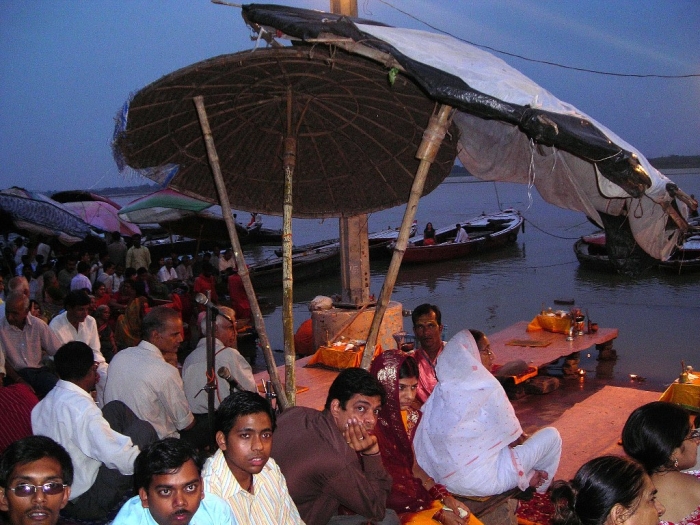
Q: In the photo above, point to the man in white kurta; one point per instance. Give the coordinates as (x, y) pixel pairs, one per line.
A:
(70, 417)
(140, 376)
(76, 325)
(194, 370)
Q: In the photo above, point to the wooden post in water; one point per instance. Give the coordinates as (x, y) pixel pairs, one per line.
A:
(432, 138)
(238, 253)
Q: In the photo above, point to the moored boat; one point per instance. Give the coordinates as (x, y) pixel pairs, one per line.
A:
(592, 252)
(305, 266)
(376, 241)
(486, 232)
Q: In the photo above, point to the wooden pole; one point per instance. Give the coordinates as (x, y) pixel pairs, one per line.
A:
(289, 161)
(237, 252)
(432, 138)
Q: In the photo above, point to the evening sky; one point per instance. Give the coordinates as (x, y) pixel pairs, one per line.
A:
(67, 66)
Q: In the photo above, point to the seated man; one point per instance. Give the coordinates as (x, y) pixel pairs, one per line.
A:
(427, 326)
(241, 471)
(462, 235)
(331, 458)
(194, 369)
(168, 476)
(74, 324)
(141, 377)
(101, 444)
(22, 339)
(35, 478)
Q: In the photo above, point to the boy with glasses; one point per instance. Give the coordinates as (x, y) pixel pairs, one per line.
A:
(35, 478)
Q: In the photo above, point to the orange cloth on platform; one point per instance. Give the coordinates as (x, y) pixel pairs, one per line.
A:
(337, 358)
(686, 395)
(304, 339)
(550, 323)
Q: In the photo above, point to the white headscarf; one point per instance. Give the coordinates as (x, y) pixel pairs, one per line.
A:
(467, 420)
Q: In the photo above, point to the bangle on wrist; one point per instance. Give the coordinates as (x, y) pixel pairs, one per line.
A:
(369, 455)
(438, 491)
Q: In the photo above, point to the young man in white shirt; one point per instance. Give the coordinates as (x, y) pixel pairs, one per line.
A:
(103, 445)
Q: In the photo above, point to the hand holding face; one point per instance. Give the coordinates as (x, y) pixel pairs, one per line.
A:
(359, 439)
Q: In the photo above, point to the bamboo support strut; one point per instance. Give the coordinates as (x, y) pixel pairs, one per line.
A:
(432, 138)
(237, 252)
(289, 161)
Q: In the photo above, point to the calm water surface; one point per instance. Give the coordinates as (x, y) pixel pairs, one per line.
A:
(657, 314)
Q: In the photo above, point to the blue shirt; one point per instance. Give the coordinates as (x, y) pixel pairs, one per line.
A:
(212, 511)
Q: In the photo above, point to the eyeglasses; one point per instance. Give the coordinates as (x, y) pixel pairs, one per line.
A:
(50, 489)
(486, 350)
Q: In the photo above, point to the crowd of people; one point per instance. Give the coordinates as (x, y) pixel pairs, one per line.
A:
(103, 418)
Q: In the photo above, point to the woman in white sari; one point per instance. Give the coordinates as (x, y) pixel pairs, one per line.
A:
(470, 439)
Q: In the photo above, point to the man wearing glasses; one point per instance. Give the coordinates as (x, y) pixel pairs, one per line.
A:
(35, 478)
(427, 326)
(102, 444)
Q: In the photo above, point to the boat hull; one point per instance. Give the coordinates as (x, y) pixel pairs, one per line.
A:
(591, 252)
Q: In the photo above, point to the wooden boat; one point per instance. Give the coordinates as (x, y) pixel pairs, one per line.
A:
(486, 232)
(376, 240)
(305, 266)
(591, 252)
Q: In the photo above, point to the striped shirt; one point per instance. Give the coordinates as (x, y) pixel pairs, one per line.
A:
(270, 502)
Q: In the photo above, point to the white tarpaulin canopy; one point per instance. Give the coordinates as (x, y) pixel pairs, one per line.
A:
(511, 129)
(500, 151)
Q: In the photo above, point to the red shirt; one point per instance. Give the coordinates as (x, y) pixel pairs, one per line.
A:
(17, 402)
(203, 284)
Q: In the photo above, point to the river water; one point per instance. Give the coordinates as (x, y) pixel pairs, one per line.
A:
(657, 314)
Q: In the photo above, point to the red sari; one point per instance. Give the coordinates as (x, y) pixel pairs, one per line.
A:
(407, 491)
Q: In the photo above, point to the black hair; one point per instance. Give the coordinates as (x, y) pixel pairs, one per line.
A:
(76, 298)
(34, 448)
(73, 360)
(353, 381)
(653, 431)
(116, 236)
(409, 368)
(83, 267)
(96, 286)
(477, 334)
(156, 320)
(129, 272)
(107, 265)
(424, 309)
(598, 486)
(239, 404)
(163, 457)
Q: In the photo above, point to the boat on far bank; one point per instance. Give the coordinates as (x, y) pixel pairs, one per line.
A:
(486, 232)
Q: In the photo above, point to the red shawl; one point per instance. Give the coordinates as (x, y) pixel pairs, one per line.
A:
(407, 491)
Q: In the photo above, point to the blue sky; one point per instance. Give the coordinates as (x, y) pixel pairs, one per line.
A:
(66, 66)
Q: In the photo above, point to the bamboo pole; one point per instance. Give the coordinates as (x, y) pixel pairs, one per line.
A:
(432, 138)
(289, 160)
(237, 252)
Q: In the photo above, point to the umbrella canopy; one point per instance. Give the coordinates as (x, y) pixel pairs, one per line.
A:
(102, 216)
(162, 206)
(357, 133)
(510, 129)
(98, 211)
(181, 215)
(34, 213)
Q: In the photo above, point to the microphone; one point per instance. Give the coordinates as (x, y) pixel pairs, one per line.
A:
(202, 299)
(225, 374)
